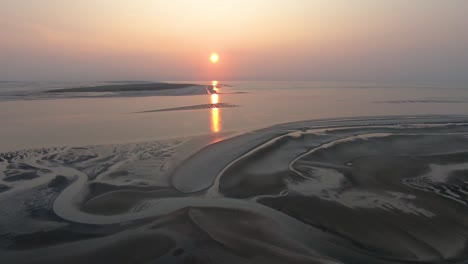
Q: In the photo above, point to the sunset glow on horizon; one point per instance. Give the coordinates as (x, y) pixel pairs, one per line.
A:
(254, 40)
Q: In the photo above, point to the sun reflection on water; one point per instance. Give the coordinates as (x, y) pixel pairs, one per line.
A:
(215, 120)
(215, 111)
(214, 98)
(215, 86)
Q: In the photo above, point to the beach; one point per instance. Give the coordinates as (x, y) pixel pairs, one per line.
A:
(309, 174)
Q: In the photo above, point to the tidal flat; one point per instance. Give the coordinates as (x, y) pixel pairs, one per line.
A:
(349, 190)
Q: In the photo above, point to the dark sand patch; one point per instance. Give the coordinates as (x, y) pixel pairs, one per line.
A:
(125, 88)
(192, 107)
(4, 188)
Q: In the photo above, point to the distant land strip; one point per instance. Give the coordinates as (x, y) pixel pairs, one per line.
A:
(421, 101)
(135, 87)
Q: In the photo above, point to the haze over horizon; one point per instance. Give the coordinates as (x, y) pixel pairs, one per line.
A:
(318, 40)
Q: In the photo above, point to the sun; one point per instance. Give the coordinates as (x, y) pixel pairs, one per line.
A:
(214, 58)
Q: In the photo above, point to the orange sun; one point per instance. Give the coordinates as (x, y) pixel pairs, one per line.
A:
(214, 58)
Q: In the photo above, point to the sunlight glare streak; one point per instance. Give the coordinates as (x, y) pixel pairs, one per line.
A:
(215, 111)
(215, 99)
(214, 84)
(215, 120)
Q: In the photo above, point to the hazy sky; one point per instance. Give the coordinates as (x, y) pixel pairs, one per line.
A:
(322, 40)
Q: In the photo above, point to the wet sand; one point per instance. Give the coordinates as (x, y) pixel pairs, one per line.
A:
(355, 190)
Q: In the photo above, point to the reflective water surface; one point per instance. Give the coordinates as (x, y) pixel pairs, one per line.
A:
(81, 121)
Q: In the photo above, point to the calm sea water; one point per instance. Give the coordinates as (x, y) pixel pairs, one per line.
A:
(31, 119)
